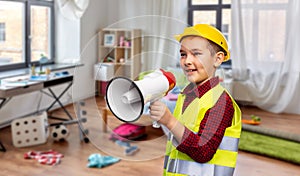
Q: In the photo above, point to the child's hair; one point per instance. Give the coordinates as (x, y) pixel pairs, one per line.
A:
(214, 48)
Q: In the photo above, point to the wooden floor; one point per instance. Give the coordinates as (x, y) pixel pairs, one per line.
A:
(147, 161)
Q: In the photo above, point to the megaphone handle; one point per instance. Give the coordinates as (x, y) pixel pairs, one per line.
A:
(156, 124)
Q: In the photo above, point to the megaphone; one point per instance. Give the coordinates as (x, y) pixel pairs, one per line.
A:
(126, 98)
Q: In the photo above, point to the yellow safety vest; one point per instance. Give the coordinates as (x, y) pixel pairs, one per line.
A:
(224, 161)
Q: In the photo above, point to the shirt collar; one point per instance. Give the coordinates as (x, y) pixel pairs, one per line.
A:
(200, 90)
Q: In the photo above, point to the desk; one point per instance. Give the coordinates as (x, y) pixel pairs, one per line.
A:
(53, 82)
(7, 92)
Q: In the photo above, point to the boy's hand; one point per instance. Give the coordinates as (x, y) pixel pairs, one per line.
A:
(160, 112)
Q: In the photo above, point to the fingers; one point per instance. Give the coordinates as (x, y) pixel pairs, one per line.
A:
(157, 104)
(157, 110)
(156, 114)
(156, 107)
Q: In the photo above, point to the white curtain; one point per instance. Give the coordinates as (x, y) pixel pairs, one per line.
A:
(72, 9)
(159, 21)
(265, 52)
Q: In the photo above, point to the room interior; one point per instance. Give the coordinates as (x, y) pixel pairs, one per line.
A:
(263, 77)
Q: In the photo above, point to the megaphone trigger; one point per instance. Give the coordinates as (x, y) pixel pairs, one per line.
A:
(155, 124)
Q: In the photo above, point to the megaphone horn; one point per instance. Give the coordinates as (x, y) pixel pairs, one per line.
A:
(126, 98)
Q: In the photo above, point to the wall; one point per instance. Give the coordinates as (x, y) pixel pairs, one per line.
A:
(93, 19)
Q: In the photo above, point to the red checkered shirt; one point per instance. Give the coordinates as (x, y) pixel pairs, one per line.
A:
(202, 146)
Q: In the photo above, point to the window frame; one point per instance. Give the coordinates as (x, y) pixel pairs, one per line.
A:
(26, 38)
(209, 7)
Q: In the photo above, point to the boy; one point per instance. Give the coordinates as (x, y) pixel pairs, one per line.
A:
(206, 125)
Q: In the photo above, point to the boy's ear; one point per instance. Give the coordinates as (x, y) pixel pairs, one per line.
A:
(219, 59)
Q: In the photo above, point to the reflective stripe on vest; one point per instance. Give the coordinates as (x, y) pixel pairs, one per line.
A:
(228, 146)
(229, 143)
(192, 168)
(224, 160)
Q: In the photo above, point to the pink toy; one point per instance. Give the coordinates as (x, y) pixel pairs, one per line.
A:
(128, 131)
(122, 41)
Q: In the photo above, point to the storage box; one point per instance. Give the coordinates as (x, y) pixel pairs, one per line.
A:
(104, 71)
(102, 87)
(29, 131)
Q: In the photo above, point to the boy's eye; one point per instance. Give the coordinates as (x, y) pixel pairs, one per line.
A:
(182, 54)
(196, 53)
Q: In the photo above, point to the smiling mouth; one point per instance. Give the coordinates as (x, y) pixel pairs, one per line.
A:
(190, 70)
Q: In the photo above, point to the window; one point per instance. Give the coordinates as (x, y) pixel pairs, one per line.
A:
(214, 12)
(2, 32)
(28, 32)
(265, 23)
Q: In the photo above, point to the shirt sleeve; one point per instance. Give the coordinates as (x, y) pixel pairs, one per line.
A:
(202, 146)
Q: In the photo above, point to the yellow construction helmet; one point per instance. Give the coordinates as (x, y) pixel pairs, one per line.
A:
(209, 32)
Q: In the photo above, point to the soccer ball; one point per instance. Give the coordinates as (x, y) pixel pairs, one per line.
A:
(60, 133)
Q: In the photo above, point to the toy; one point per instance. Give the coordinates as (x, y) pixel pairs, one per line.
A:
(60, 133)
(49, 157)
(99, 161)
(129, 150)
(255, 120)
(128, 131)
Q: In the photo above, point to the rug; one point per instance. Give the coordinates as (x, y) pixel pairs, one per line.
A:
(275, 147)
(272, 132)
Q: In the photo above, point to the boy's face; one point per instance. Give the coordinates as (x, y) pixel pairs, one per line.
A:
(196, 60)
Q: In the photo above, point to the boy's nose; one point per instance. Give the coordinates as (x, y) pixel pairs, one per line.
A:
(188, 60)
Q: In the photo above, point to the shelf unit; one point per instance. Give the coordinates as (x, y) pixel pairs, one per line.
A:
(118, 50)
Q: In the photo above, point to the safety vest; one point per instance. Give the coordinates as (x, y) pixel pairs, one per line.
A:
(224, 160)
